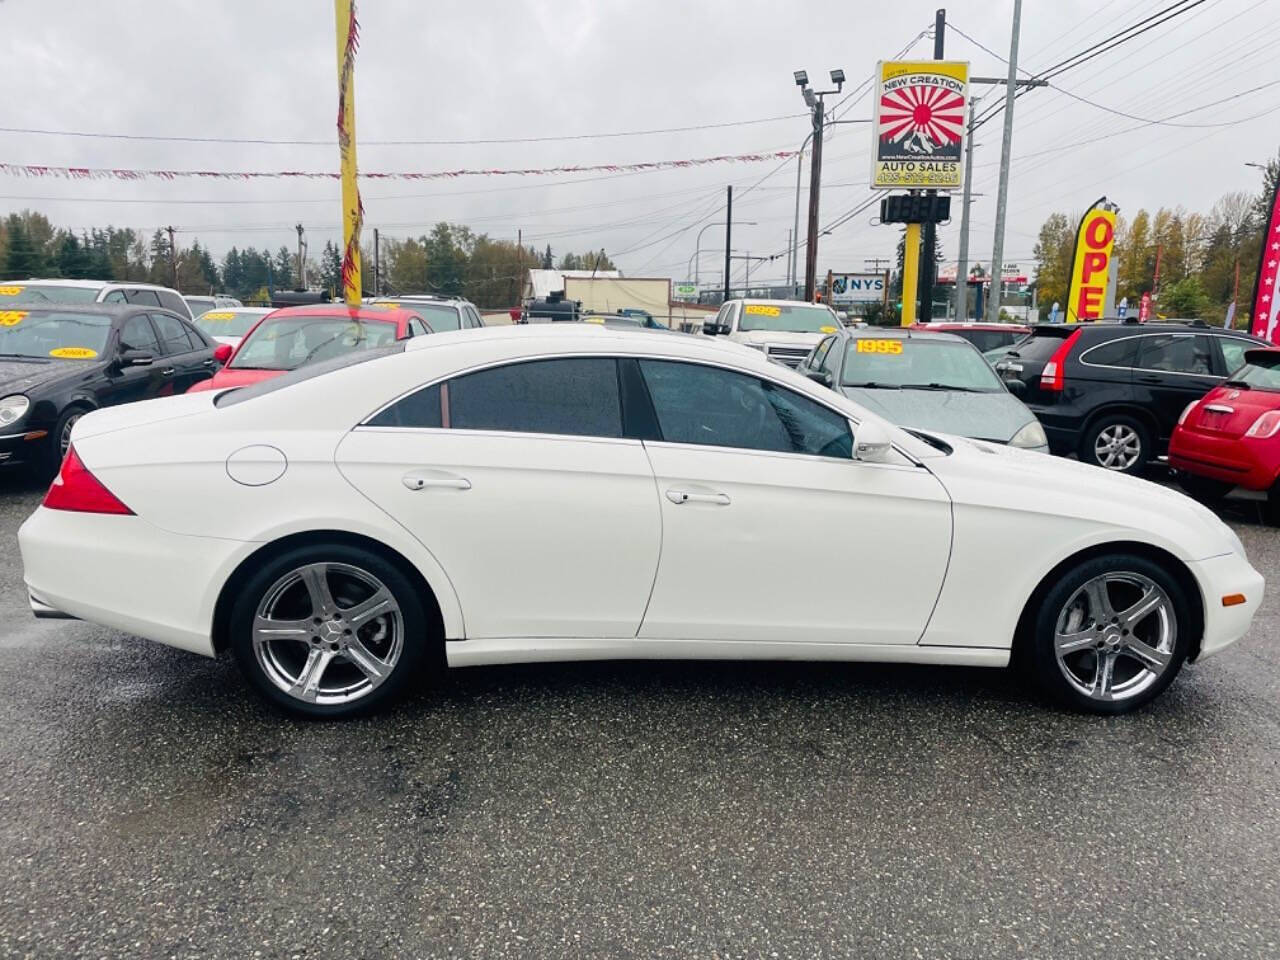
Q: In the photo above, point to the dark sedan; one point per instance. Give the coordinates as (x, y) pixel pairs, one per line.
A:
(59, 362)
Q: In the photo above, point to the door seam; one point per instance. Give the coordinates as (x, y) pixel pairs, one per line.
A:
(657, 496)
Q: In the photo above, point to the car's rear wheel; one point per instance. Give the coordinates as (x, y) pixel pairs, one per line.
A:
(329, 631)
(1116, 442)
(1204, 489)
(1110, 635)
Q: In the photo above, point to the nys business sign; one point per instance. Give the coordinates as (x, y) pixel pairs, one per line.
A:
(919, 126)
(857, 288)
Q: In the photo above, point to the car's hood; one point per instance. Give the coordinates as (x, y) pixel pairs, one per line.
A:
(19, 376)
(782, 338)
(226, 378)
(987, 416)
(988, 476)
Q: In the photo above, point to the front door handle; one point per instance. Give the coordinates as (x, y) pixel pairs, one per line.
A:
(683, 496)
(167, 372)
(439, 479)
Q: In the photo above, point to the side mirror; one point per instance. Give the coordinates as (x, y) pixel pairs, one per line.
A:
(136, 358)
(1016, 387)
(222, 352)
(713, 329)
(871, 442)
(819, 376)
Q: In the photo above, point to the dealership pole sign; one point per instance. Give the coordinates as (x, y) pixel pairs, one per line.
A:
(1092, 265)
(849, 288)
(1266, 305)
(920, 110)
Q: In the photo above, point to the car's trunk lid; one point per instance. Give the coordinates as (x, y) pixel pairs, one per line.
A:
(1230, 411)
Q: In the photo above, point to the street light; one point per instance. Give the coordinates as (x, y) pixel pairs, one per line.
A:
(697, 246)
(817, 116)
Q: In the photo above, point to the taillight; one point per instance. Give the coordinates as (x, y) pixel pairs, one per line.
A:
(75, 488)
(1266, 426)
(1186, 412)
(1051, 377)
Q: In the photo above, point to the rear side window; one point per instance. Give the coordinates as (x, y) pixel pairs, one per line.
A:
(570, 396)
(145, 298)
(1041, 347)
(1176, 353)
(171, 301)
(1118, 353)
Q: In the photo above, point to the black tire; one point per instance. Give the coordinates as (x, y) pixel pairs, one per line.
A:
(1038, 653)
(1204, 489)
(1271, 509)
(291, 653)
(52, 450)
(1122, 459)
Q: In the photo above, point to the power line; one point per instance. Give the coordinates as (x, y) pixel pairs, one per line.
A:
(264, 141)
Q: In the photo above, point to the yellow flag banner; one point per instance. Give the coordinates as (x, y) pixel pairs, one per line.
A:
(1092, 265)
(352, 208)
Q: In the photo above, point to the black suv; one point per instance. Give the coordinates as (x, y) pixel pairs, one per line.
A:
(1113, 392)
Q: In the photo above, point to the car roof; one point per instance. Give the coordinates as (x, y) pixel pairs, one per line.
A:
(1134, 329)
(969, 325)
(91, 284)
(367, 311)
(776, 303)
(106, 309)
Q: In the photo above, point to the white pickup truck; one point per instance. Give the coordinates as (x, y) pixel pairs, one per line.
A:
(785, 330)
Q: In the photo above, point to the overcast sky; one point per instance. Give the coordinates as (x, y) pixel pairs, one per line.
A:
(490, 70)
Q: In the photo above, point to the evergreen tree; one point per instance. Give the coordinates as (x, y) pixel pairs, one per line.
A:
(73, 259)
(548, 261)
(285, 269)
(21, 258)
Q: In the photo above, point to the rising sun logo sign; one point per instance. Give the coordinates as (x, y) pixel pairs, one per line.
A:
(920, 124)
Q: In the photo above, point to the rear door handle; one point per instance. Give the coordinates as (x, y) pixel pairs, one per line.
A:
(439, 479)
(167, 372)
(683, 496)
(208, 363)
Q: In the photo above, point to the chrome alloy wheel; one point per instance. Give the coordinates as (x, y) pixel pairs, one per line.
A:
(1115, 636)
(328, 633)
(64, 441)
(1117, 447)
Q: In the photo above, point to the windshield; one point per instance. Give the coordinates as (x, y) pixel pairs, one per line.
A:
(227, 323)
(199, 305)
(1259, 376)
(902, 362)
(13, 294)
(787, 318)
(289, 342)
(50, 333)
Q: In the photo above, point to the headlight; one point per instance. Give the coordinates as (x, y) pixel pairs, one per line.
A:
(1032, 435)
(13, 408)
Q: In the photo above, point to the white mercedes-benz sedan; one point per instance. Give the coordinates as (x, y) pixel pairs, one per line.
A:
(579, 492)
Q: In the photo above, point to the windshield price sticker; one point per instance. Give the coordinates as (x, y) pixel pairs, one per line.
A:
(218, 315)
(73, 353)
(760, 310)
(11, 318)
(890, 348)
(826, 329)
(10, 291)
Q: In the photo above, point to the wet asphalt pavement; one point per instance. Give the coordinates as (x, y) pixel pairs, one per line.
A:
(150, 806)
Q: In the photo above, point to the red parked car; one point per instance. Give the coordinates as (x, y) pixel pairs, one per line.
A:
(293, 336)
(1230, 437)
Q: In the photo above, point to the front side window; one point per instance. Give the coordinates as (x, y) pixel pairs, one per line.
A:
(1176, 353)
(907, 363)
(286, 343)
(787, 318)
(136, 334)
(723, 408)
(571, 396)
(62, 334)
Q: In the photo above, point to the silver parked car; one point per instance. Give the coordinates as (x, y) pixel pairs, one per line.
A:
(925, 380)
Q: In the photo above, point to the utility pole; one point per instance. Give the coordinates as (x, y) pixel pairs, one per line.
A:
(173, 257)
(1002, 197)
(728, 230)
(962, 266)
(795, 233)
(817, 114)
(302, 273)
(519, 265)
(377, 264)
(929, 259)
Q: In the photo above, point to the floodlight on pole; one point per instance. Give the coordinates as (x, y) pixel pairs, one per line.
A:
(837, 77)
(802, 78)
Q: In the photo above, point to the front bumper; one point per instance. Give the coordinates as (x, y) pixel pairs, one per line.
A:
(22, 446)
(127, 574)
(1221, 577)
(1246, 463)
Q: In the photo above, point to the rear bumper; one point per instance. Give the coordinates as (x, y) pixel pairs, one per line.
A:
(1220, 577)
(1229, 459)
(127, 574)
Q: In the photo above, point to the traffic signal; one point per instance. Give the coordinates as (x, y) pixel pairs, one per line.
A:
(915, 208)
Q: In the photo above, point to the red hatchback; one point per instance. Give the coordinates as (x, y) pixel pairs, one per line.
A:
(291, 337)
(1230, 437)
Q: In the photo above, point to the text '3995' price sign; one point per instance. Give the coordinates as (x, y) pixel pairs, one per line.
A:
(920, 111)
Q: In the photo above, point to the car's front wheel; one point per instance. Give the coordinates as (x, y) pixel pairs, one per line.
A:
(1110, 635)
(329, 631)
(1116, 442)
